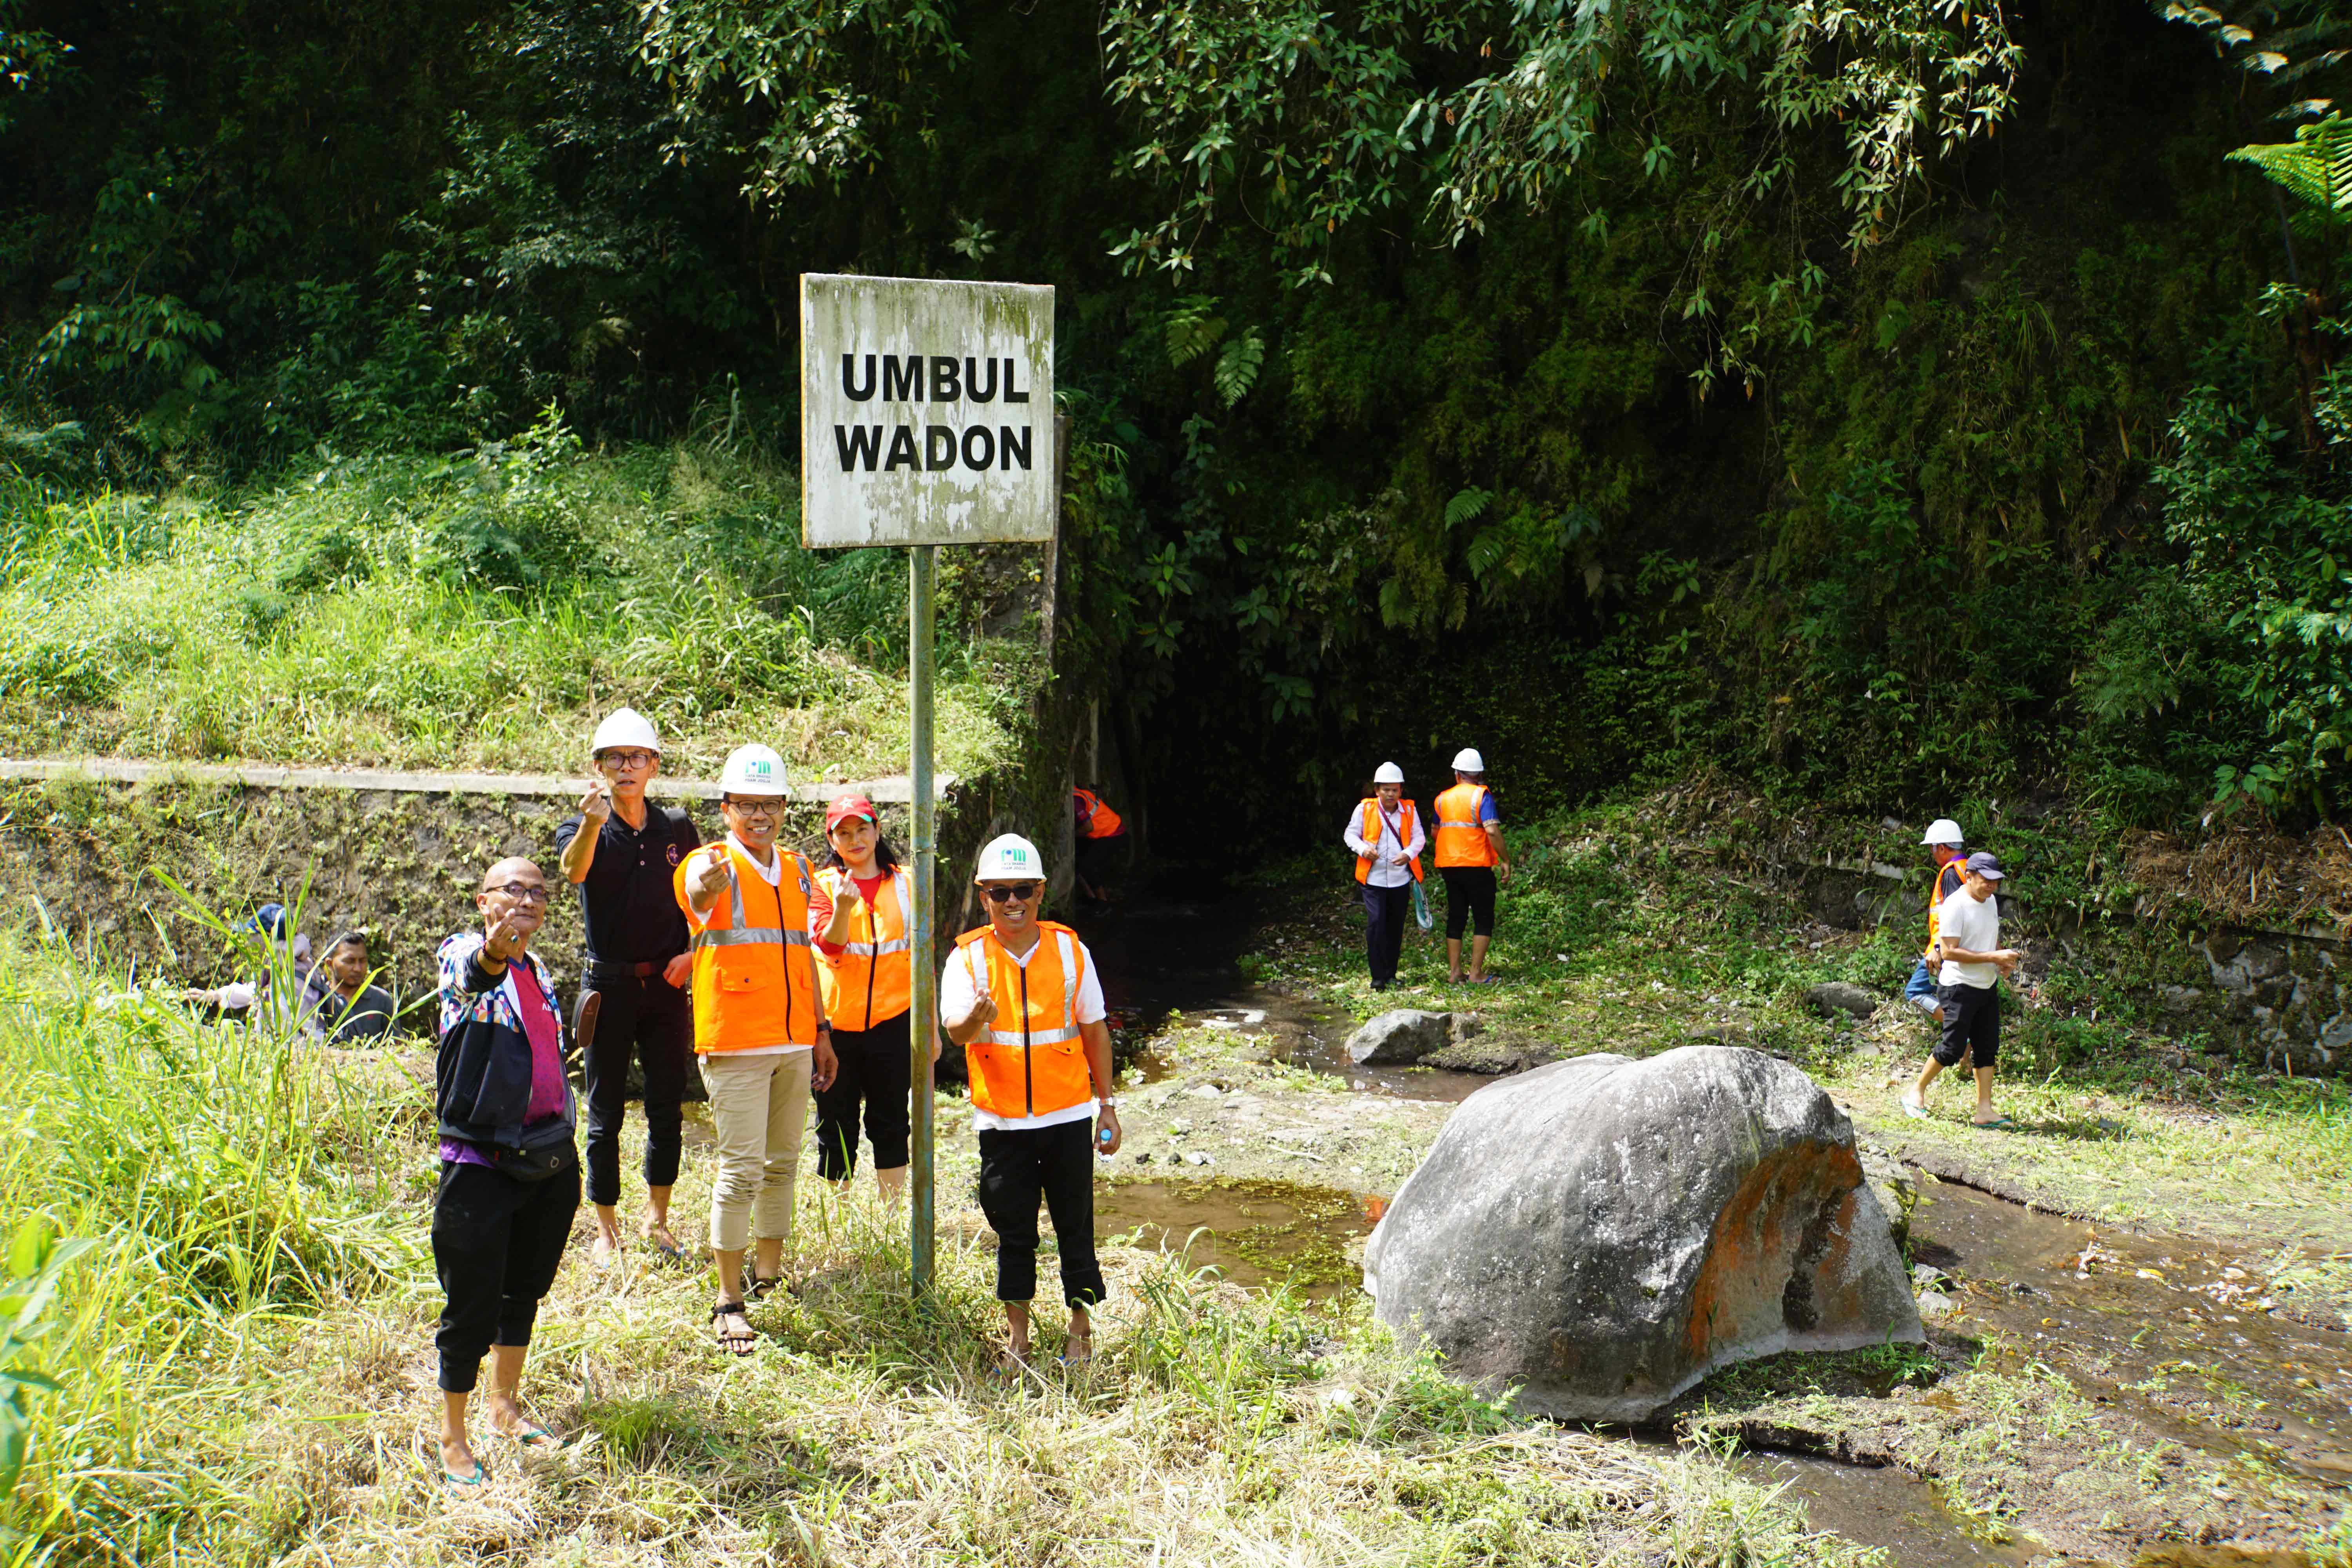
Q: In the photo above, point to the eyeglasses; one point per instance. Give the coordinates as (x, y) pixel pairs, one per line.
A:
(757, 808)
(1024, 891)
(523, 892)
(629, 759)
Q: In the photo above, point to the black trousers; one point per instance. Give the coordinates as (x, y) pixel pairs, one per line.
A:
(1098, 858)
(650, 1016)
(1386, 911)
(1469, 897)
(1972, 1025)
(1015, 1169)
(876, 1072)
(496, 1245)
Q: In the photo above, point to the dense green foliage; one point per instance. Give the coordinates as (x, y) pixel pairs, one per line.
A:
(1883, 402)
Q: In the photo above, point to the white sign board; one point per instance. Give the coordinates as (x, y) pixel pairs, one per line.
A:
(927, 411)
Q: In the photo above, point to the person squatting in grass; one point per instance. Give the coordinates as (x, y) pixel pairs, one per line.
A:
(1943, 843)
(345, 1009)
(1384, 831)
(1974, 962)
(1472, 859)
(622, 852)
(759, 1026)
(1022, 997)
(862, 911)
(510, 1178)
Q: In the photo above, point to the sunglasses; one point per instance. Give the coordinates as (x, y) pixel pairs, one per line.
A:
(1024, 891)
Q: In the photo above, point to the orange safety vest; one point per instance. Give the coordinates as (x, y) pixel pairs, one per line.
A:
(870, 980)
(1368, 830)
(1096, 820)
(1461, 837)
(754, 977)
(1936, 897)
(1032, 1059)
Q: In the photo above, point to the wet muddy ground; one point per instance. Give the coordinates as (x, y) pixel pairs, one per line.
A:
(2089, 1395)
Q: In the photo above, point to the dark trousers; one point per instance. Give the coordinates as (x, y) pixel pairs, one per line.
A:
(648, 1015)
(496, 1245)
(1469, 900)
(1972, 1025)
(1015, 1169)
(1098, 858)
(877, 1071)
(1386, 911)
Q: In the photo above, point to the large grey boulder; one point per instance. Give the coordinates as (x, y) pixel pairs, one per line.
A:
(1400, 1038)
(1843, 996)
(1603, 1232)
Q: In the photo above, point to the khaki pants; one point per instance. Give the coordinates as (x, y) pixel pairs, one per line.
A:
(759, 1106)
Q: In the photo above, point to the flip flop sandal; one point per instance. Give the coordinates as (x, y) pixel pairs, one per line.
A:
(533, 1439)
(1998, 1122)
(1916, 1113)
(670, 1251)
(451, 1481)
(732, 1343)
(1078, 1353)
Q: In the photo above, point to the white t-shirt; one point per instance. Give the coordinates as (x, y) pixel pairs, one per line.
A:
(1384, 844)
(1964, 922)
(774, 875)
(957, 994)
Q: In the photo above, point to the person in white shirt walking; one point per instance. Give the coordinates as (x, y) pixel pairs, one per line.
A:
(1969, 926)
(1384, 830)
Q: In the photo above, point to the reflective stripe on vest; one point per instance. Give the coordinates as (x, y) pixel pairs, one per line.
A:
(1461, 835)
(1024, 1035)
(1369, 826)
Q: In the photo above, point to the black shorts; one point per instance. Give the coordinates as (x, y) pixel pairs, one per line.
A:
(1971, 1024)
(1469, 897)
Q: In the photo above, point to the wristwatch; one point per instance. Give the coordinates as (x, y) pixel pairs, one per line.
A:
(1108, 1102)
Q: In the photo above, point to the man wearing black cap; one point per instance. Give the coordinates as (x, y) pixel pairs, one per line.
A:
(1968, 927)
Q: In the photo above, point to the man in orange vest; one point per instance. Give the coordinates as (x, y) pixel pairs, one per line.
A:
(1384, 830)
(1944, 842)
(1472, 859)
(1102, 836)
(1022, 997)
(759, 1027)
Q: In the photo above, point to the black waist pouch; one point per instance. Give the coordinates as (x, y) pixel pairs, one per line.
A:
(532, 1166)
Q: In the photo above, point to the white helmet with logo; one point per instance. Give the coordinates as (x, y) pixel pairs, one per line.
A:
(1388, 773)
(1468, 761)
(1009, 858)
(753, 770)
(627, 729)
(1944, 830)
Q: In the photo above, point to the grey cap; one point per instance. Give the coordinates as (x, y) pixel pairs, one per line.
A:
(1983, 864)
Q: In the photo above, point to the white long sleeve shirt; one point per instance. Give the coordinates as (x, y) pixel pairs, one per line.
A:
(1384, 874)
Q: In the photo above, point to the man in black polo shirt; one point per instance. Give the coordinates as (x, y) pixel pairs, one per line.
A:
(636, 965)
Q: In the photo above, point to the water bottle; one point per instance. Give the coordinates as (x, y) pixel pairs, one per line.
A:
(1102, 1145)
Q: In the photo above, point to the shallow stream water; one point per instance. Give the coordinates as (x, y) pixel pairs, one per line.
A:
(2187, 1337)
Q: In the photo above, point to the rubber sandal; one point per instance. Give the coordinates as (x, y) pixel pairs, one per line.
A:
(1916, 1113)
(734, 1345)
(533, 1439)
(1998, 1122)
(670, 1250)
(452, 1481)
(1078, 1352)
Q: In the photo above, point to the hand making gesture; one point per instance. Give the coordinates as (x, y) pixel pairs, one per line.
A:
(596, 805)
(718, 874)
(506, 939)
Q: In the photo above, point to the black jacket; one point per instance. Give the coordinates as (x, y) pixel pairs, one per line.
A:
(482, 1079)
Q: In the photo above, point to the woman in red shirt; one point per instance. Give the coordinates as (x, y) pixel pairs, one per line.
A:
(863, 912)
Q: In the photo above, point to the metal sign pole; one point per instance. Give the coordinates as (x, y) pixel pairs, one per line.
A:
(924, 1004)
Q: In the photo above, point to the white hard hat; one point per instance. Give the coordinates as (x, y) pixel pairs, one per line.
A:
(1943, 830)
(753, 770)
(1389, 773)
(628, 729)
(1009, 858)
(1468, 761)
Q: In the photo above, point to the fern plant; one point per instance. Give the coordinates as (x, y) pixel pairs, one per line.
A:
(2315, 167)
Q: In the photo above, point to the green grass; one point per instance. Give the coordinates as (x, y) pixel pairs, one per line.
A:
(246, 1370)
(469, 612)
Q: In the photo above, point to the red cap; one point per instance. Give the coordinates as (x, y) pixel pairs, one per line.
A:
(848, 805)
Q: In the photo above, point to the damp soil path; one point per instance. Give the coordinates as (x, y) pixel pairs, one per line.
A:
(2177, 1342)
